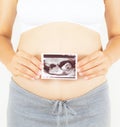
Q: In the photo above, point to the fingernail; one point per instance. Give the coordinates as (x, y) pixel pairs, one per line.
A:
(78, 70)
(86, 78)
(39, 72)
(32, 78)
(41, 66)
(81, 74)
(37, 77)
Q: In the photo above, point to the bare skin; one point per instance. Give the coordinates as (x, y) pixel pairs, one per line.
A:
(59, 38)
(93, 63)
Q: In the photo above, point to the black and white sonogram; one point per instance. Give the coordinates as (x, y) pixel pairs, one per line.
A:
(59, 66)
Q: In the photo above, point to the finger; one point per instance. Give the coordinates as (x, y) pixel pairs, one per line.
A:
(26, 76)
(36, 62)
(95, 75)
(22, 70)
(94, 71)
(31, 58)
(29, 65)
(89, 58)
(18, 73)
(24, 54)
(91, 64)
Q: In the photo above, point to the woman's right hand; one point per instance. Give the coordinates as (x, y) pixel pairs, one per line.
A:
(25, 65)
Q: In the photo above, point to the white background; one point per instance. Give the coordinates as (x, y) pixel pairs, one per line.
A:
(113, 77)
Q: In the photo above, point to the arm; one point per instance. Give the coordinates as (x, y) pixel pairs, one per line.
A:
(7, 16)
(98, 62)
(18, 63)
(112, 15)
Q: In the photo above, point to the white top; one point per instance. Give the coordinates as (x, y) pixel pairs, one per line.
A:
(33, 13)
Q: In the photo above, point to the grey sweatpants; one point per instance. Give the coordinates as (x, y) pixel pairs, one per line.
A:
(26, 109)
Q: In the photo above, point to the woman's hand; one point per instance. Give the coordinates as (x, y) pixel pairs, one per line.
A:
(94, 65)
(25, 65)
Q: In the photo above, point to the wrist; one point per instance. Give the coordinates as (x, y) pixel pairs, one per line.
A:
(8, 58)
(109, 57)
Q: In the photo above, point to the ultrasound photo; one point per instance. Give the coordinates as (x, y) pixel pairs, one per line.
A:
(59, 66)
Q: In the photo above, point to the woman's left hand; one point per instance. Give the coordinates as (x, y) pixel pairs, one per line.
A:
(93, 65)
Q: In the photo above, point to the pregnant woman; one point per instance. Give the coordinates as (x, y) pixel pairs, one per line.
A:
(64, 27)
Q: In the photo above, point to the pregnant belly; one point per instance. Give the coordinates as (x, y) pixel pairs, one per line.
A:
(59, 37)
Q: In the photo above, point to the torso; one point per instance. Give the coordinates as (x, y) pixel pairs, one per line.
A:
(60, 37)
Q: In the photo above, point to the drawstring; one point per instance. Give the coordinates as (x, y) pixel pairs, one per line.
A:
(58, 107)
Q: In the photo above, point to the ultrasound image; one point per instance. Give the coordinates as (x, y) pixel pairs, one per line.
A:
(59, 66)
